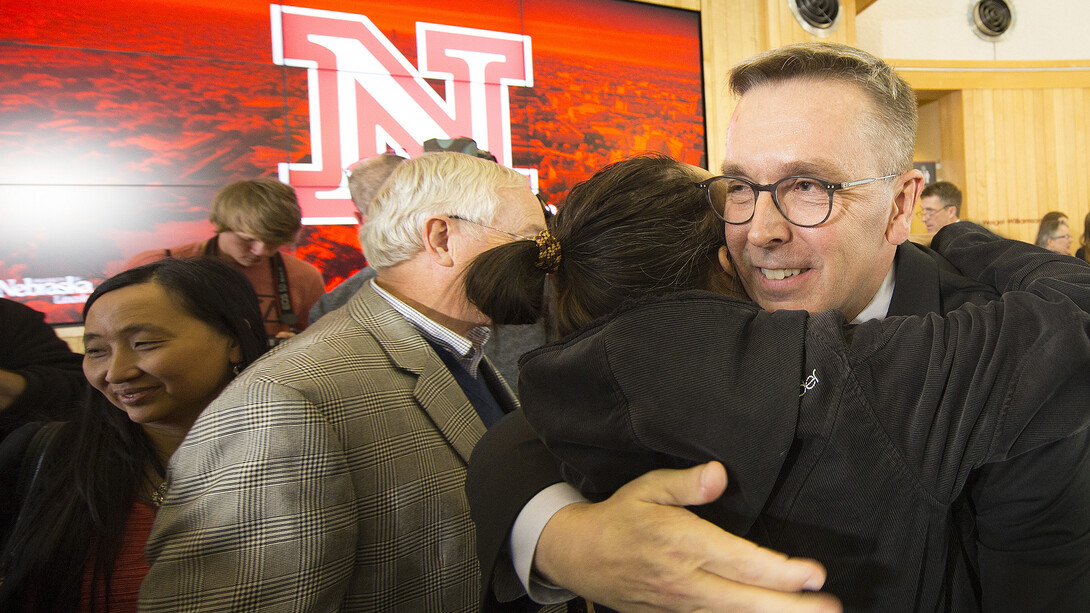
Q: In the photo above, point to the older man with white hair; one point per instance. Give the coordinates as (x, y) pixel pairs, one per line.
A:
(329, 475)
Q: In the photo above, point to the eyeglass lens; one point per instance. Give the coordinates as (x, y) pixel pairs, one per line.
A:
(802, 200)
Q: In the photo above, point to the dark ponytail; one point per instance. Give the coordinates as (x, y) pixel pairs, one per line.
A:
(506, 284)
(637, 227)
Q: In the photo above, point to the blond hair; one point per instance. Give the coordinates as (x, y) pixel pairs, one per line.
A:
(266, 208)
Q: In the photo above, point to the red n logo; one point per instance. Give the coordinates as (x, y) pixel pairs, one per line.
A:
(365, 96)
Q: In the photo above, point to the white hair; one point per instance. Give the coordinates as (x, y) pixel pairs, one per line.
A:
(441, 183)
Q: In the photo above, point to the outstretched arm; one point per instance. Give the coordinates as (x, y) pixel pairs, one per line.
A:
(640, 550)
(637, 550)
(1010, 265)
(39, 376)
(1031, 531)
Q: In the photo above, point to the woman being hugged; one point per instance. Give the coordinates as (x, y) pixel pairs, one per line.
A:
(638, 228)
(162, 341)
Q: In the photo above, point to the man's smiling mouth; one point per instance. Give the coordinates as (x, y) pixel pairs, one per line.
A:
(780, 273)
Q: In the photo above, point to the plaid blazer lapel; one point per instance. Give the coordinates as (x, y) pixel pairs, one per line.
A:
(437, 392)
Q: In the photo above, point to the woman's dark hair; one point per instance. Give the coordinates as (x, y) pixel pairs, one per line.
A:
(637, 227)
(1085, 240)
(75, 515)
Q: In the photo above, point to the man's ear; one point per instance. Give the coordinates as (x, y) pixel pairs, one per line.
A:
(726, 281)
(908, 187)
(437, 241)
(724, 261)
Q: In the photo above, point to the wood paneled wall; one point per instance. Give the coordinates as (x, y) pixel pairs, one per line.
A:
(1014, 137)
(734, 30)
(1026, 152)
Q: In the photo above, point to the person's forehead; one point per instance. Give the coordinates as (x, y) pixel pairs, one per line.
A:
(141, 304)
(521, 209)
(253, 237)
(931, 202)
(797, 125)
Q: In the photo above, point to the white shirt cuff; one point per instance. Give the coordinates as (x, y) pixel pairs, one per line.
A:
(526, 532)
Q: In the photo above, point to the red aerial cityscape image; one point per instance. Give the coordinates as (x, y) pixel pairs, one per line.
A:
(119, 121)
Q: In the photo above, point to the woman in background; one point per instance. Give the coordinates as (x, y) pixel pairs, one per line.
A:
(1081, 253)
(1054, 234)
(79, 497)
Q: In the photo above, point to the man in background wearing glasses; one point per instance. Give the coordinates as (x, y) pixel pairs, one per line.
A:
(818, 193)
(940, 205)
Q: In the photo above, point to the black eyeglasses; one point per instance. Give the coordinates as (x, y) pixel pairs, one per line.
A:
(479, 224)
(929, 212)
(804, 201)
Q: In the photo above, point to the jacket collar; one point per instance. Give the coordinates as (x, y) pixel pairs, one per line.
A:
(917, 282)
(436, 390)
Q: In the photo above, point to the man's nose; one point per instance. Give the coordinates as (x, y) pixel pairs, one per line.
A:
(768, 225)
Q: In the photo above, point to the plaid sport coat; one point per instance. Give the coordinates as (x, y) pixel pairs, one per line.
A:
(328, 476)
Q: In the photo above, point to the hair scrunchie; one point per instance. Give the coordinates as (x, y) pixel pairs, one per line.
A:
(548, 251)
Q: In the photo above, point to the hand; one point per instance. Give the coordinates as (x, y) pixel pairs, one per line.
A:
(641, 551)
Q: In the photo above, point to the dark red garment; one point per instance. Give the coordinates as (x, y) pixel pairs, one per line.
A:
(129, 570)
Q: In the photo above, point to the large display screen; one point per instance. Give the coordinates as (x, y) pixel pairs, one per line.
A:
(120, 120)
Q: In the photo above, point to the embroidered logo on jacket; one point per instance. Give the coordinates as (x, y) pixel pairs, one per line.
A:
(809, 383)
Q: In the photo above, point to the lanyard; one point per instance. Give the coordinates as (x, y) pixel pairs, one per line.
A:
(280, 273)
(286, 314)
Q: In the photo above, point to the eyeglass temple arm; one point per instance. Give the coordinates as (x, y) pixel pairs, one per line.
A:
(862, 182)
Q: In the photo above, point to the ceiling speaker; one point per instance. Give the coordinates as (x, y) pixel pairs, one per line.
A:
(816, 16)
(991, 19)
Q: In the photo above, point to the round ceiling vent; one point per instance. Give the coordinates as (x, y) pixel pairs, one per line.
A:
(991, 19)
(816, 16)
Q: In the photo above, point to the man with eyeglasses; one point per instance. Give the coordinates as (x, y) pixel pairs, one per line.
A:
(818, 192)
(365, 179)
(940, 205)
(329, 476)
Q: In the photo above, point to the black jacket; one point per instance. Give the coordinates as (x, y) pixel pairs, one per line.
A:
(847, 444)
(865, 489)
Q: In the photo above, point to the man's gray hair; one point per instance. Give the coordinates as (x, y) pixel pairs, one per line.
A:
(428, 185)
(892, 121)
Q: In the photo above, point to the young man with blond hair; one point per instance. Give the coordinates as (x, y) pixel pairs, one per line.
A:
(254, 220)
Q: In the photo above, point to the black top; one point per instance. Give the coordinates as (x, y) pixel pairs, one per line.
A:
(53, 373)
